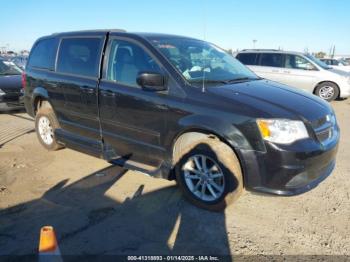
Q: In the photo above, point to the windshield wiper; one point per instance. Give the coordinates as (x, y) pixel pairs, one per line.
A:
(209, 81)
(240, 79)
(225, 82)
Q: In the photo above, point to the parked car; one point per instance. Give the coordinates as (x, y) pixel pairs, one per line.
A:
(20, 61)
(298, 70)
(337, 64)
(178, 108)
(10, 86)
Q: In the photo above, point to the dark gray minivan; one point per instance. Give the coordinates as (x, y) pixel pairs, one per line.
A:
(178, 108)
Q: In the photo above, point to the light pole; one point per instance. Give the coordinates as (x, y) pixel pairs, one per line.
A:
(254, 42)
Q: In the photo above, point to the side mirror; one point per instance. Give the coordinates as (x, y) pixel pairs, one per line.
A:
(151, 81)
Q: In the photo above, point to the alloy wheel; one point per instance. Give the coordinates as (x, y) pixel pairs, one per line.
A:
(45, 130)
(204, 177)
(326, 92)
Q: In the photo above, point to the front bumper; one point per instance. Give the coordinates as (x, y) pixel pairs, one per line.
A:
(345, 89)
(289, 170)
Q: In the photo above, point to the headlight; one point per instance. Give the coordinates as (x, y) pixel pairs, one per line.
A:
(282, 131)
(2, 93)
(331, 117)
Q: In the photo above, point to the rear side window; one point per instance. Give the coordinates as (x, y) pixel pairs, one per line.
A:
(247, 58)
(79, 56)
(43, 54)
(270, 59)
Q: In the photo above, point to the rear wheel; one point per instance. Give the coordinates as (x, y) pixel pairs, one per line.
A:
(327, 91)
(209, 174)
(45, 125)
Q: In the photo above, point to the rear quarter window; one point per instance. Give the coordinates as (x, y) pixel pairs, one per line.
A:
(43, 54)
(247, 58)
(79, 56)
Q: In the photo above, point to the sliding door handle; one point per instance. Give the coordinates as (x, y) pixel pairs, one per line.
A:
(107, 93)
(87, 90)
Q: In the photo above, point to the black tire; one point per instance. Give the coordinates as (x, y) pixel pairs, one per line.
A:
(50, 115)
(229, 164)
(332, 96)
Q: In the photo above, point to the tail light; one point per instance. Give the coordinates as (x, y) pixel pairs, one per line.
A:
(24, 80)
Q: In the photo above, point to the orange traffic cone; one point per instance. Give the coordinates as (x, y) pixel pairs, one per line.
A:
(48, 247)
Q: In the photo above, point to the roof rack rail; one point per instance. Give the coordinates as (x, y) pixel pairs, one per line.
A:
(118, 30)
(260, 50)
(93, 30)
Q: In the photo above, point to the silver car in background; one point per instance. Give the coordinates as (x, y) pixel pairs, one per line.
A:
(298, 70)
(337, 64)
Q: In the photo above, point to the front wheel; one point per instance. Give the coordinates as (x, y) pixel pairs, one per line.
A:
(209, 175)
(327, 91)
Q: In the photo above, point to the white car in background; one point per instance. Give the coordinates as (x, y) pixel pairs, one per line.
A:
(337, 64)
(298, 70)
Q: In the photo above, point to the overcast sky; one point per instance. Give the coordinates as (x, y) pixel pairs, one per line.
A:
(297, 25)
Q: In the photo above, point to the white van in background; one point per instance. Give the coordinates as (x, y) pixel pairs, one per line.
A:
(297, 70)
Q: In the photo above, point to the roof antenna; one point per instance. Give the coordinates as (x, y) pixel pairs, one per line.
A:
(204, 37)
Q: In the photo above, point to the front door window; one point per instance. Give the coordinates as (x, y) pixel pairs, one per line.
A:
(298, 62)
(126, 61)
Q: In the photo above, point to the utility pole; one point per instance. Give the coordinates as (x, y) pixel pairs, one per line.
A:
(333, 51)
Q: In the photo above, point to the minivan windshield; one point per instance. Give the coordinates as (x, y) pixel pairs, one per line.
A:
(9, 68)
(345, 63)
(202, 62)
(318, 62)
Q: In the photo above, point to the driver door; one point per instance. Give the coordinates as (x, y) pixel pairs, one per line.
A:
(132, 119)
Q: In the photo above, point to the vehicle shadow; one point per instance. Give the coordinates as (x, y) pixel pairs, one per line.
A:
(89, 222)
(11, 131)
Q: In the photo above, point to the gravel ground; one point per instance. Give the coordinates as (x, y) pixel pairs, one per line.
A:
(100, 209)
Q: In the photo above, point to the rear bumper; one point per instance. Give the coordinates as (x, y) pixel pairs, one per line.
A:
(289, 171)
(11, 104)
(27, 101)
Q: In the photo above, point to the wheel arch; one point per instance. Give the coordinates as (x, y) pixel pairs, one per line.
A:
(193, 134)
(39, 95)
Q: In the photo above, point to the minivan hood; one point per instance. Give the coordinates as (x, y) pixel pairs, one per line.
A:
(271, 99)
(340, 72)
